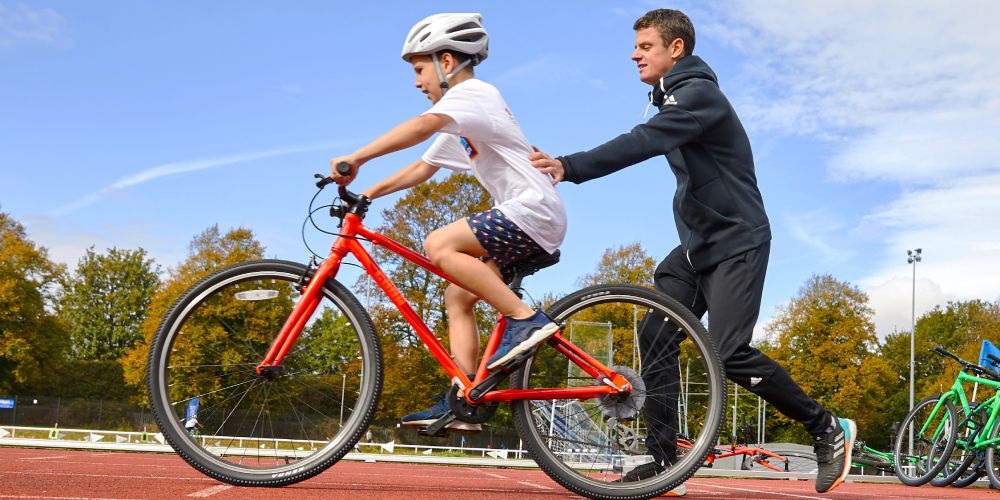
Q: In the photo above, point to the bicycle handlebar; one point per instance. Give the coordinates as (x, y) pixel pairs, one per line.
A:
(967, 365)
(353, 203)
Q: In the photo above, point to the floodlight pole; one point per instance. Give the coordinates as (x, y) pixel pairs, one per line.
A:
(912, 257)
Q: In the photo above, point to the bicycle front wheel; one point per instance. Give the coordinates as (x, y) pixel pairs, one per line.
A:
(591, 446)
(933, 434)
(263, 430)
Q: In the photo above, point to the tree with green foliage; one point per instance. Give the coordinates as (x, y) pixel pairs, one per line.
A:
(825, 339)
(627, 264)
(209, 251)
(105, 301)
(32, 340)
(960, 327)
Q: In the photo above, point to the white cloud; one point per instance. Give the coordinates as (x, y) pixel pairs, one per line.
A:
(955, 224)
(67, 242)
(821, 231)
(906, 92)
(182, 167)
(23, 25)
(911, 86)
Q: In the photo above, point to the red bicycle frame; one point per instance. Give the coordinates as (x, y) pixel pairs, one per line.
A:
(347, 243)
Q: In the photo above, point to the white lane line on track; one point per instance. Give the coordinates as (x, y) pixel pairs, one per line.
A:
(120, 476)
(749, 490)
(533, 485)
(45, 458)
(498, 476)
(207, 492)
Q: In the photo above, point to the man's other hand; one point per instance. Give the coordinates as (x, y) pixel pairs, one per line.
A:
(547, 165)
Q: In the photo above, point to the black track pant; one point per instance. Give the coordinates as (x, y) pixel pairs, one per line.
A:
(731, 294)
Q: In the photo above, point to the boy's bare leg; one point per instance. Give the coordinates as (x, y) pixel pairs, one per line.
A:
(455, 249)
(462, 331)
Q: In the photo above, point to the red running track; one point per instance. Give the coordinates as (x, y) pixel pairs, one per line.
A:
(64, 474)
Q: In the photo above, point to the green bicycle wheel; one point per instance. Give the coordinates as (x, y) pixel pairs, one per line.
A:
(970, 428)
(933, 431)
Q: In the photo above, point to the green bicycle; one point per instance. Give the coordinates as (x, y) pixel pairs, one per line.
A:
(864, 456)
(944, 445)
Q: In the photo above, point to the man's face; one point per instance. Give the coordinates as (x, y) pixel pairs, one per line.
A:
(652, 57)
(427, 79)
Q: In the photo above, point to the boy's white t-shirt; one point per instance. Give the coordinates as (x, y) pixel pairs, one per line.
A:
(484, 137)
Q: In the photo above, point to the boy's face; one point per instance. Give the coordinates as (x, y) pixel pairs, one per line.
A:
(427, 79)
(652, 57)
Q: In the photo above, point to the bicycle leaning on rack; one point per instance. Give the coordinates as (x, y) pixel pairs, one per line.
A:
(950, 434)
(865, 456)
(288, 368)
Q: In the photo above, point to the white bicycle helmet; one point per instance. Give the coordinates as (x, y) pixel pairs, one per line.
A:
(463, 33)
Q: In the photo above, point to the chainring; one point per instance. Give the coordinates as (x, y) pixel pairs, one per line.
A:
(468, 412)
(624, 438)
(624, 406)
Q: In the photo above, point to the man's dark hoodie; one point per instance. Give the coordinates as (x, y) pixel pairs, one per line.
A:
(717, 207)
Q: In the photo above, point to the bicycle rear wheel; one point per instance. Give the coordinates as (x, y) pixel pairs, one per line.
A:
(933, 432)
(678, 384)
(992, 459)
(257, 430)
(973, 472)
(801, 462)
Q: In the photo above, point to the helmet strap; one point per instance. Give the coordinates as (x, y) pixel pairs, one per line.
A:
(443, 78)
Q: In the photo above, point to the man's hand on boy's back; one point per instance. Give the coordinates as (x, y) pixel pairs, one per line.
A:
(344, 180)
(548, 165)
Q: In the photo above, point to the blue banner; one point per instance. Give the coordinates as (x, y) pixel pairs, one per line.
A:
(6, 404)
(984, 360)
(192, 409)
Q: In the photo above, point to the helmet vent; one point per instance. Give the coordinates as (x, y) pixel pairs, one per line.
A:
(466, 26)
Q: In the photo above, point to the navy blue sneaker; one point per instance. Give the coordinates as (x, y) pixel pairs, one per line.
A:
(522, 335)
(440, 409)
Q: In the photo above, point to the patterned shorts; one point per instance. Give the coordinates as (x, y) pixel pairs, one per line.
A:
(503, 241)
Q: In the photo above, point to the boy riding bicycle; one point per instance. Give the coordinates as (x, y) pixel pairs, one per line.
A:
(478, 133)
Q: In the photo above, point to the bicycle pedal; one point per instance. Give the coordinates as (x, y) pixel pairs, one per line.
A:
(437, 428)
(515, 363)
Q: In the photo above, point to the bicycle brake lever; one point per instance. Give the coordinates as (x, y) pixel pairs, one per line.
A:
(323, 180)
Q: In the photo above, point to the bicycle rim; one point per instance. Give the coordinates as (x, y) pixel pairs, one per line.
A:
(933, 440)
(589, 446)
(253, 430)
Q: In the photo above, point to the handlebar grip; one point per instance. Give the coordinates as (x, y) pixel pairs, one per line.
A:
(344, 168)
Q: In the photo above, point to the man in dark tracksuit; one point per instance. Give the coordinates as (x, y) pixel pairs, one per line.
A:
(725, 236)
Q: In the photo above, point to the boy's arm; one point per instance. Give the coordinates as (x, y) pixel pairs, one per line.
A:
(407, 177)
(409, 133)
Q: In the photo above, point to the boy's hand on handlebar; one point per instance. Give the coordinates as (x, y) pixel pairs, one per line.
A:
(344, 179)
(548, 165)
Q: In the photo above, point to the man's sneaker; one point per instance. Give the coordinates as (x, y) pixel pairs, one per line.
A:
(520, 336)
(644, 471)
(679, 491)
(833, 454)
(432, 414)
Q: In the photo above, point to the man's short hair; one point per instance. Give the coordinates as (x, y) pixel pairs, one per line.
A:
(671, 24)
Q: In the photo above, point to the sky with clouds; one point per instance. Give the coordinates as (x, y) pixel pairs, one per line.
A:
(874, 126)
